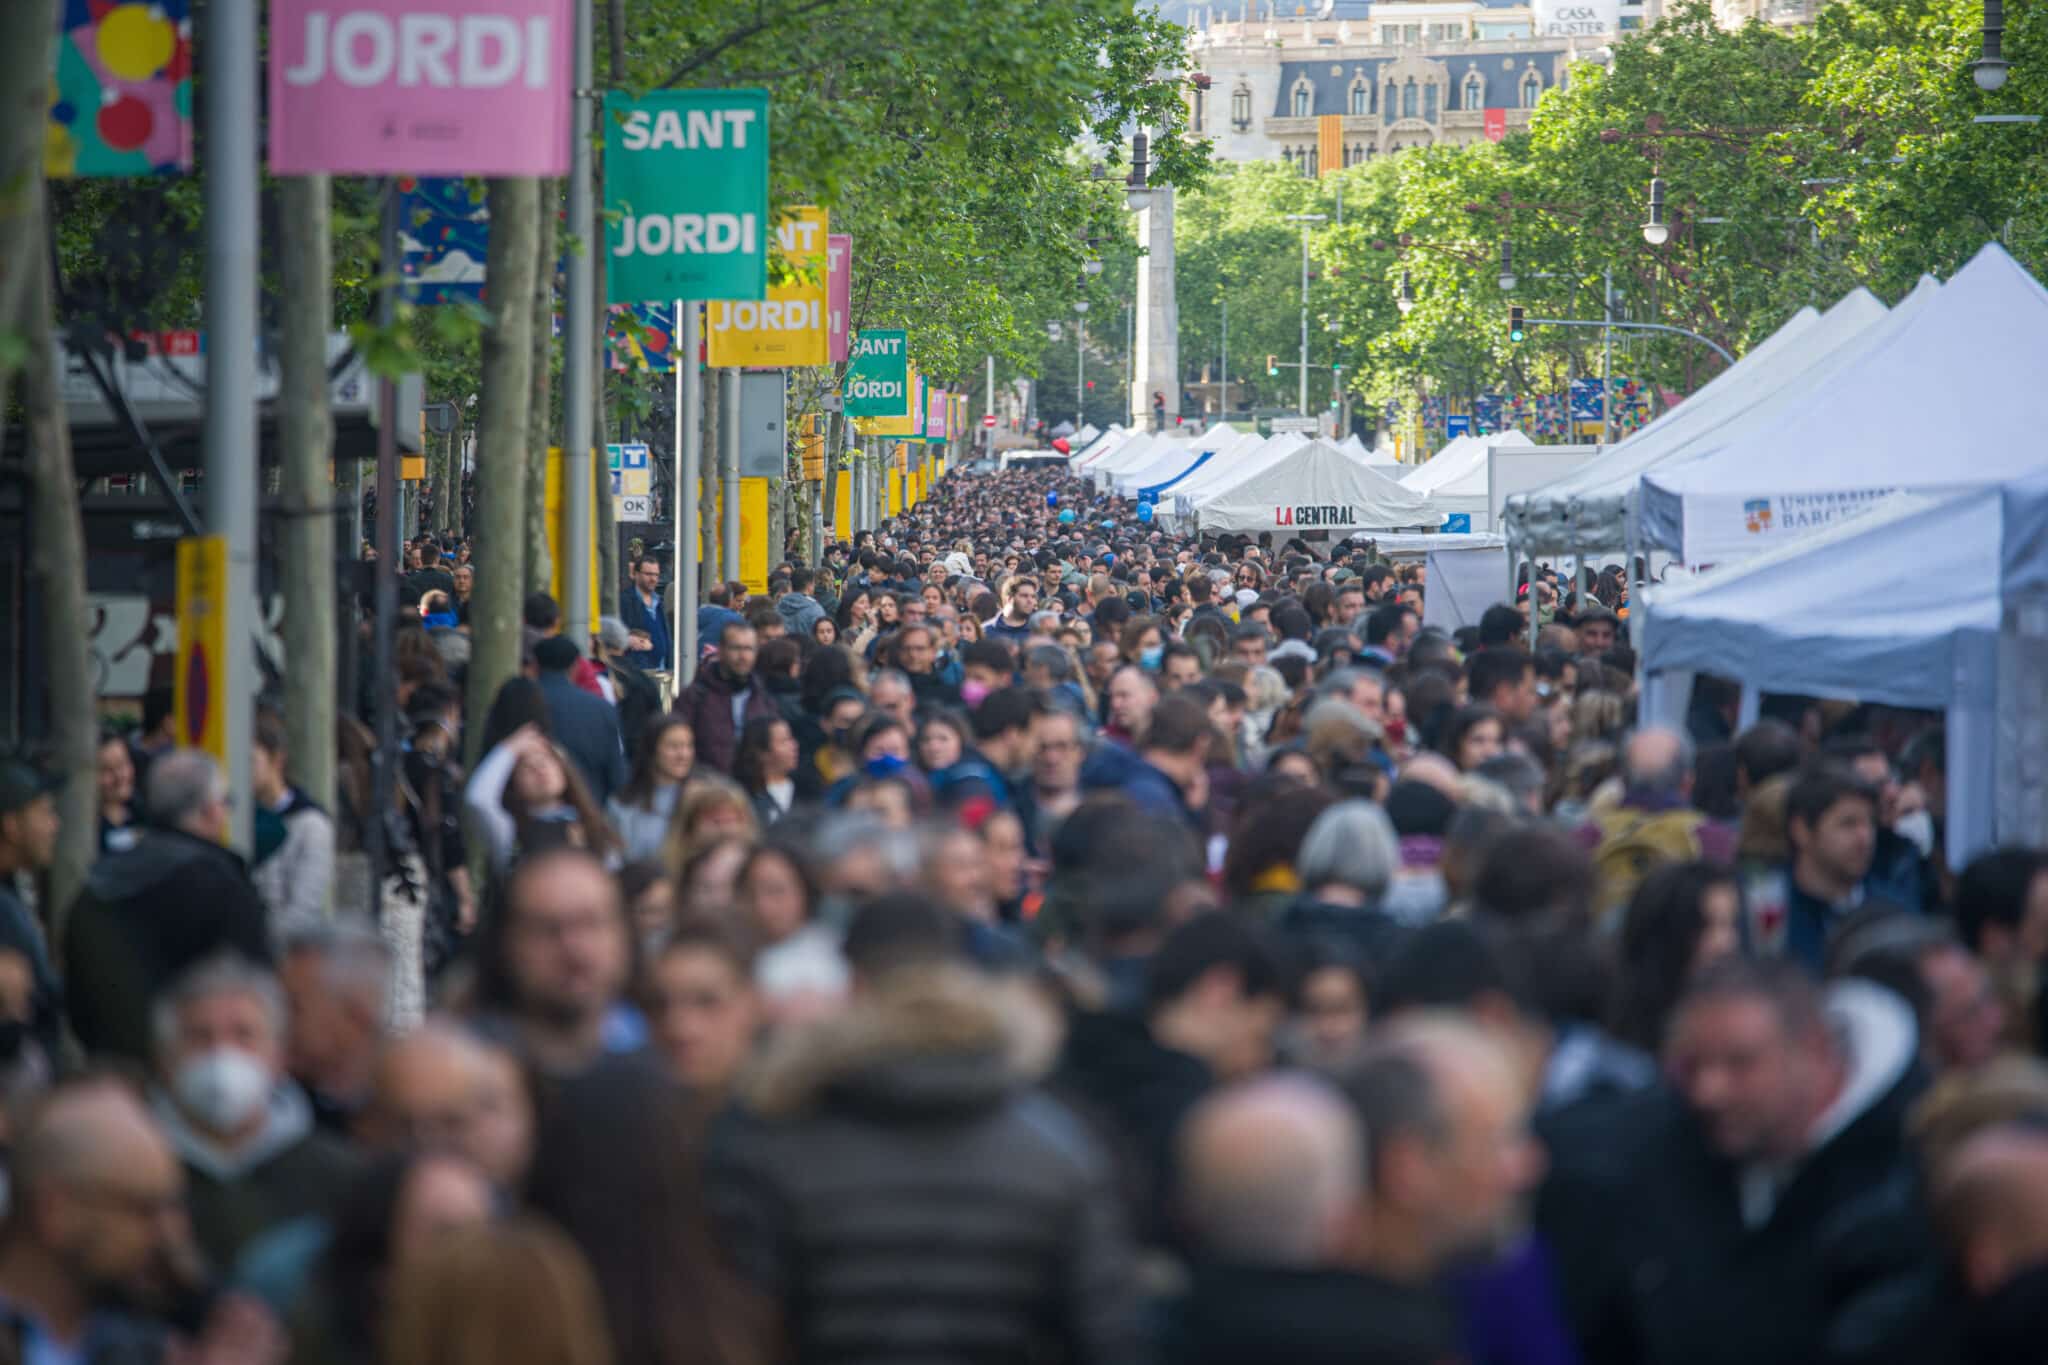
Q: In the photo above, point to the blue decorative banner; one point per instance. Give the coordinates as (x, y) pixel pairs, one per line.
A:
(443, 239)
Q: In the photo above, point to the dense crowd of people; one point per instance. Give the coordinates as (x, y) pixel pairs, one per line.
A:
(1028, 936)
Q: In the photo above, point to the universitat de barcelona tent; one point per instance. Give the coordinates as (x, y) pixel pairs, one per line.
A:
(1950, 396)
(1928, 601)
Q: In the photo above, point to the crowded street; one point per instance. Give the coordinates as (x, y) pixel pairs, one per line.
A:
(756, 735)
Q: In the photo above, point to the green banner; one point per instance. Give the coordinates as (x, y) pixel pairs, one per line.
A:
(878, 382)
(686, 195)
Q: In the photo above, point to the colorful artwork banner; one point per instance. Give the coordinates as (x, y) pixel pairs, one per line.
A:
(686, 195)
(382, 87)
(121, 97)
(788, 327)
(443, 239)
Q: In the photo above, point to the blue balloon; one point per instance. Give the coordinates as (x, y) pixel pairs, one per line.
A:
(1144, 511)
(1052, 499)
(1109, 526)
(1067, 517)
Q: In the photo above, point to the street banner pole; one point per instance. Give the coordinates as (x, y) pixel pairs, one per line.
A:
(232, 271)
(689, 447)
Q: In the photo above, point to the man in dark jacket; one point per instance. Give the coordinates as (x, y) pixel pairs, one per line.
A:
(725, 696)
(900, 1185)
(641, 609)
(146, 915)
(1768, 1212)
(253, 1158)
(584, 725)
(798, 609)
(1171, 765)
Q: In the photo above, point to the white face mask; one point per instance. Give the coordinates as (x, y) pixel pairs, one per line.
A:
(1918, 829)
(220, 1089)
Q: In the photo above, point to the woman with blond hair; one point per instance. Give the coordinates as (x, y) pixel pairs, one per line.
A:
(519, 1293)
(708, 809)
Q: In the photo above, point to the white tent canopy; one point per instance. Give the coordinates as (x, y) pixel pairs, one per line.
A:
(1103, 446)
(1313, 487)
(1950, 396)
(1173, 460)
(1911, 604)
(1585, 510)
(1221, 474)
(1358, 450)
(1457, 479)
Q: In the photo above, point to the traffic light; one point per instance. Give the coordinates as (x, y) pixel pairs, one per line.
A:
(1515, 329)
(1272, 364)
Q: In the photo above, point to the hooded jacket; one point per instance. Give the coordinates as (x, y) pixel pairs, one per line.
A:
(143, 918)
(1672, 1255)
(799, 612)
(895, 1179)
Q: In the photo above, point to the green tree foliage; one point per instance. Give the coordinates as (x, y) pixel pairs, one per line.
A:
(1796, 166)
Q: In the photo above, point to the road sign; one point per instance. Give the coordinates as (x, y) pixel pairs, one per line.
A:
(988, 419)
(201, 682)
(1280, 424)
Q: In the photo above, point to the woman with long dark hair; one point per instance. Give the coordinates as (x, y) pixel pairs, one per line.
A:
(665, 760)
(618, 1167)
(766, 767)
(1684, 917)
(526, 795)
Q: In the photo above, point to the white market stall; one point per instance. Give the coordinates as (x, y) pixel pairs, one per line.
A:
(1949, 396)
(1585, 511)
(1923, 601)
(1171, 462)
(1179, 505)
(1455, 480)
(1313, 487)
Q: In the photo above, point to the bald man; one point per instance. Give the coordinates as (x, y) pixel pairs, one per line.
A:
(442, 1087)
(96, 1217)
(1272, 1179)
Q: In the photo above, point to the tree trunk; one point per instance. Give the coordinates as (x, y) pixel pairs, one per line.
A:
(540, 423)
(501, 493)
(306, 538)
(56, 569)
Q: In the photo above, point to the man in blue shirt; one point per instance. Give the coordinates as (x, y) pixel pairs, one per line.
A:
(643, 611)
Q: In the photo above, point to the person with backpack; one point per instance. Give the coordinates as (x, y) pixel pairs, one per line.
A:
(1654, 823)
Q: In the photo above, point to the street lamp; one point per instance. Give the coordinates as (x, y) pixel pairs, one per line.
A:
(1080, 363)
(1990, 70)
(1304, 219)
(1137, 193)
(1507, 266)
(1405, 300)
(1656, 232)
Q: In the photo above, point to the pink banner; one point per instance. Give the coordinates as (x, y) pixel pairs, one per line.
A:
(935, 414)
(1496, 125)
(378, 87)
(838, 293)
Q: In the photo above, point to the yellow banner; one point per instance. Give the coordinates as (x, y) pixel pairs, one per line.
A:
(895, 491)
(412, 468)
(201, 695)
(842, 504)
(558, 537)
(787, 327)
(1329, 144)
(754, 534)
(811, 441)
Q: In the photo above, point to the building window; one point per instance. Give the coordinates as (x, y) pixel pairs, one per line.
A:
(1304, 99)
(1411, 33)
(1532, 89)
(1312, 155)
(1241, 107)
(1429, 102)
(1287, 155)
(1475, 91)
(1411, 98)
(1361, 97)
(1393, 146)
(1391, 105)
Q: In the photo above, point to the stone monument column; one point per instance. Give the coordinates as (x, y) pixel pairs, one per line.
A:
(1156, 364)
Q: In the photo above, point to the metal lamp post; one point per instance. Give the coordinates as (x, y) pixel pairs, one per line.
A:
(1305, 219)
